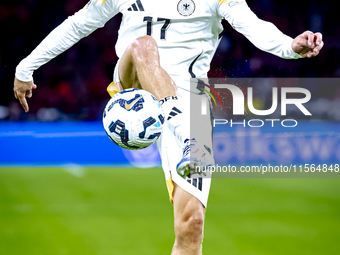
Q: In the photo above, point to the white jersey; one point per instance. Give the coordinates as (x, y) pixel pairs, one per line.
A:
(186, 31)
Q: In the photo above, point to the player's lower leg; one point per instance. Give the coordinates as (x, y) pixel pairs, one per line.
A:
(189, 219)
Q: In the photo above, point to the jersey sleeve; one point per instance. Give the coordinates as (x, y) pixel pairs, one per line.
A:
(264, 35)
(94, 15)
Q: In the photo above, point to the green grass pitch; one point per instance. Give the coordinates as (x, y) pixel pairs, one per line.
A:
(102, 211)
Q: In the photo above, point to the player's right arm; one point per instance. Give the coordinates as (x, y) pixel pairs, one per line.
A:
(94, 15)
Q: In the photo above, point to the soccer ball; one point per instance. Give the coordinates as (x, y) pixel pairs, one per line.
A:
(133, 119)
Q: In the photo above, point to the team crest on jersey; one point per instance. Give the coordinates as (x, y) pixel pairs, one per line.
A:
(186, 7)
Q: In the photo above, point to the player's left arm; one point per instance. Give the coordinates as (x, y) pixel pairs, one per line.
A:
(265, 35)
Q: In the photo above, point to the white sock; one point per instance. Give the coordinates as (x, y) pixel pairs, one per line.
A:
(177, 117)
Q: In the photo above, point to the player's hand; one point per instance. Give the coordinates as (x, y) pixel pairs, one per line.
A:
(22, 90)
(308, 44)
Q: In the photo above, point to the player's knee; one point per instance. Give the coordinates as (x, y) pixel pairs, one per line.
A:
(189, 229)
(195, 224)
(145, 42)
(142, 47)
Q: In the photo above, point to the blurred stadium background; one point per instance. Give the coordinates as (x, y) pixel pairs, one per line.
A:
(66, 189)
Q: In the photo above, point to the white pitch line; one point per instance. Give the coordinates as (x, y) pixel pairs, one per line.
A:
(74, 169)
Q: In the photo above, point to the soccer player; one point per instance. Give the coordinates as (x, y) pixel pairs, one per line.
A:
(161, 45)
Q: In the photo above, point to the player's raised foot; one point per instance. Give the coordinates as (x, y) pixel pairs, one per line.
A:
(196, 158)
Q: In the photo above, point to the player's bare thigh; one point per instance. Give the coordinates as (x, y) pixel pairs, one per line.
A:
(127, 70)
(139, 67)
(139, 55)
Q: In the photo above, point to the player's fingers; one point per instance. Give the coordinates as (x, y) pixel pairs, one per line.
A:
(309, 36)
(23, 101)
(318, 38)
(316, 51)
(29, 93)
(302, 41)
(319, 46)
(312, 54)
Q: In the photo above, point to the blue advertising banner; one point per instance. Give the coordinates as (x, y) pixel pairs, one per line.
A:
(318, 143)
(55, 143)
(85, 143)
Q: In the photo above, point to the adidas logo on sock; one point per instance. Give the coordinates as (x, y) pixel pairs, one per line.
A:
(134, 7)
(173, 113)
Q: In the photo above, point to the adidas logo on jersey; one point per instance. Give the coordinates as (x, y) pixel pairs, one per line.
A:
(134, 7)
(173, 113)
